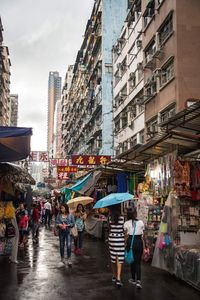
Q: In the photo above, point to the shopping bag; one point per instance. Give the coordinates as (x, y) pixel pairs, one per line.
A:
(74, 231)
(10, 230)
(129, 257)
(56, 231)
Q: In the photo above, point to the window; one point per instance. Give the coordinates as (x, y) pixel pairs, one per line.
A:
(150, 51)
(140, 71)
(149, 12)
(124, 118)
(166, 29)
(117, 77)
(167, 113)
(167, 73)
(150, 88)
(133, 141)
(152, 128)
(141, 137)
(123, 67)
(132, 81)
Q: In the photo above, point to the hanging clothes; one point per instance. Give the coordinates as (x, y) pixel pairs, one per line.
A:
(122, 183)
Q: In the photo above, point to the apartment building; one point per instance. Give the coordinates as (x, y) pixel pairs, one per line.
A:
(88, 112)
(128, 83)
(65, 108)
(170, 43)
(13, 110)
(4, 81)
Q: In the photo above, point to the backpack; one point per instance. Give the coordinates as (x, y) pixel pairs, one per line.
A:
(79, 224)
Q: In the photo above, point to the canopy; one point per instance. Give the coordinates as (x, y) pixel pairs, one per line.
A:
(14, 173)
(14, 143)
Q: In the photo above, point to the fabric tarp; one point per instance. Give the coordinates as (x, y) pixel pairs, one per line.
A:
(88, 188)
(14, 143)
(94, 226)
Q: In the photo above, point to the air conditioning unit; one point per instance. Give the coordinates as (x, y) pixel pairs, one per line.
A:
(121, 40)
(157, 72)
(119, 66)
(124, 114)
(132, 75)
(149, 58)
(131, 124)
(139, 44)
(137, 101)
(121, 94)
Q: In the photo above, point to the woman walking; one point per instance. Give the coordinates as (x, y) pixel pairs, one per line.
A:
(65, 222)
(136, 227)
(80, 217)
(116, 242)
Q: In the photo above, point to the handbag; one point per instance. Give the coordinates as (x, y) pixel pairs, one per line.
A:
(10, 231)
(56, 231)
(74, 231)
(129, 257)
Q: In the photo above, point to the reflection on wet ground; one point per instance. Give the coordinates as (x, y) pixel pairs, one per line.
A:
(39, 275)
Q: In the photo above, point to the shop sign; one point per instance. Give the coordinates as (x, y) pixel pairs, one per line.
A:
(90, 159)
(63, 176)
(40, 156)
(55, 162)
(68, 169)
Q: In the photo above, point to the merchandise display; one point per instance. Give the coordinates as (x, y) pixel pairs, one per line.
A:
(7, 230)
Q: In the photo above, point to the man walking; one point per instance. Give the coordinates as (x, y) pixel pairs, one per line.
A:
(48, 211)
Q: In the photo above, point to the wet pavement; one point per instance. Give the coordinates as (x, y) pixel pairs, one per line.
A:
(39, 276)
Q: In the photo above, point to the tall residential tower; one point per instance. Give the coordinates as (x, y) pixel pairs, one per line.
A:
(54, 94)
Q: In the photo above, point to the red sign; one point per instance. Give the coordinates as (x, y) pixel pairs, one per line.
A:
(41, 156)
(55, 162)
(68, 169)
(63, 176)
(90, 159)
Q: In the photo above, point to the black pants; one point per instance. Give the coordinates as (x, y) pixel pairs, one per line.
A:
(78, 241)
(47, 217)
(137, 253)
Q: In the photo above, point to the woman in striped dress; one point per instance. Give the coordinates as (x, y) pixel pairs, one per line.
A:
(116, 242)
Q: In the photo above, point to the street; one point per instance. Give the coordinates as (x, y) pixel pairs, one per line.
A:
(39, 275)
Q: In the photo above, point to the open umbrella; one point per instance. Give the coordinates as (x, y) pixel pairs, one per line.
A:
(112, 199)
(72, 203)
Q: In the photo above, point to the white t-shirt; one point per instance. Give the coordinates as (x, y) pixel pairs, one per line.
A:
(128, 227)
(47, 206)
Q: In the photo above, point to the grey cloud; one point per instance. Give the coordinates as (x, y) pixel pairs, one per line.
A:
(42, 36)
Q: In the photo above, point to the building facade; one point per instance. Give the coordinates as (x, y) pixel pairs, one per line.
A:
(13, 110)
(170, 42)
(54, 94)
(4, 81)
(128, 83)
(88, 127)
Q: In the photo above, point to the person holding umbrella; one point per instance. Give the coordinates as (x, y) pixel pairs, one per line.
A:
(80, 217)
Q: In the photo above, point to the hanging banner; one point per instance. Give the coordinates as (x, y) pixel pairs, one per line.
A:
(68, 169)
(90, 159)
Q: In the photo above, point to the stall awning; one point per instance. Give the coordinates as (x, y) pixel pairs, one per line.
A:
(181, 133)
(14, 143)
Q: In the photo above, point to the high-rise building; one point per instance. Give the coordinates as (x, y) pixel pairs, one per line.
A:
(4, 81)
(54, 94)
(13, 110)
(89, 109)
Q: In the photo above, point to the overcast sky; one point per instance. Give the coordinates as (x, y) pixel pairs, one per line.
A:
(42, 36)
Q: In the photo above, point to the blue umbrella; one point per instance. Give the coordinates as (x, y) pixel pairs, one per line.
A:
(113, 199)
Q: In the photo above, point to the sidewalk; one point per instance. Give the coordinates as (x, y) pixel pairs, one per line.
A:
(40, 277)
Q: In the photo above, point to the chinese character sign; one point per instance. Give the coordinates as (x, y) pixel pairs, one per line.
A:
(63, 176)
(68, 169)
(43, 156)
(90, 159)
(34, 156)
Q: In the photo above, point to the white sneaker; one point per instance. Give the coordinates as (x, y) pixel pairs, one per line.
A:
(138, 284)
(69, 262)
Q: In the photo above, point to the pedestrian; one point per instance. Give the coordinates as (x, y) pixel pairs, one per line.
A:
(22, 222)
(65, 221)
(48, 213)
(80, 217)
(35, 223)
(116, 242)
(136, 227)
